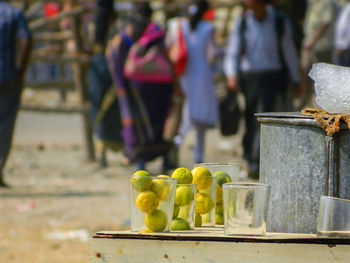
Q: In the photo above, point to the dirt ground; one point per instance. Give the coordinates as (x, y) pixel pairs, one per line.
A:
(58, 200)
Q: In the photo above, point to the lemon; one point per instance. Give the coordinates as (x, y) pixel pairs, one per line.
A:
(183, 195)
(219, 209)
(156, 221)
(161, 188)
(218, 194)
(205, 219)
(141, 180)
(183, 212)
(147, 201)
(175, 211)
(203, 203)
(222, 178)
(180, 224)
(197, 220)
(202, 177)
(219, 219)
(163, 176)
(183, 175)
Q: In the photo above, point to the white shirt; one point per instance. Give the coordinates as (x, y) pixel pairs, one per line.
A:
(342, 29)
(261, 47)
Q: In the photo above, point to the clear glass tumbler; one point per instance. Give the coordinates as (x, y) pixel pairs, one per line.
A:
(151, 203)
(224, 173)
(245, 208)
(333, 217)
(184, 207)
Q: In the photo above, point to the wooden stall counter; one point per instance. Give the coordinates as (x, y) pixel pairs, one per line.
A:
(210, 245)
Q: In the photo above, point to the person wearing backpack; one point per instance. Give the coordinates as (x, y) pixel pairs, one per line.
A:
(142, 75)
(260, 60)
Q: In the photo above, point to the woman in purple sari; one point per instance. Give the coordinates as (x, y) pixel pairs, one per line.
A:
(143, 105)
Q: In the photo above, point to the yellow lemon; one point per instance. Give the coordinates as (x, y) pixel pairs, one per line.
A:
(203, 203)
(197, 220)
(141, 180)
(202, 177)
(161, 187)
(183, 175)
(183, 195)
(180, 224)
(175, 211)
(205, 219)
(219, 209)
(183, 212)
(147, 201)
(218, 194)
(219, 219)
(222, 178)
(156, 221)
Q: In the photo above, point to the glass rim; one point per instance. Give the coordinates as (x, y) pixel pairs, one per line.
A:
(326, 197)
(186, 184)
(246, 185)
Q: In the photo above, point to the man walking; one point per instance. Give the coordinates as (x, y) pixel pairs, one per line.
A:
(13, 30)
(260, 59)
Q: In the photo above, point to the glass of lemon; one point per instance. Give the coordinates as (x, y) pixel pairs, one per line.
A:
(206, 194)
(184, 207)
(224, 173)
(151, 202)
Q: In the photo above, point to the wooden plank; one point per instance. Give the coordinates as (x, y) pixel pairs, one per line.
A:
(150, 251)
(53, 36)
(79, 76)
(216, 234)
(44, 21)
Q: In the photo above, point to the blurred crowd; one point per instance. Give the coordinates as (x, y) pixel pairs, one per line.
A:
(150, 83)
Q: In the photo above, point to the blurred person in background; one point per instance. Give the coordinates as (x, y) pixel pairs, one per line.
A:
(143, 105)
(342, 37)
(319, 25)
(104, 13)
(260, 61)
(200, 109)
(13, 28)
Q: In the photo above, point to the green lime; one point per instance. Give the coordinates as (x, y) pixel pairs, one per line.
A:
(222, 178)
(219, 219)
(176, 211)
(198, 220)
(180, 224)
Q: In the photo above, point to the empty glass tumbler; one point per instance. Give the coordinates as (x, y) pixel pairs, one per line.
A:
(245, 208)
(333, 217)
(151, 203)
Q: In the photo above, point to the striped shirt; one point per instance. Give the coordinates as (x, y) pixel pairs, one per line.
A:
(13, 27)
